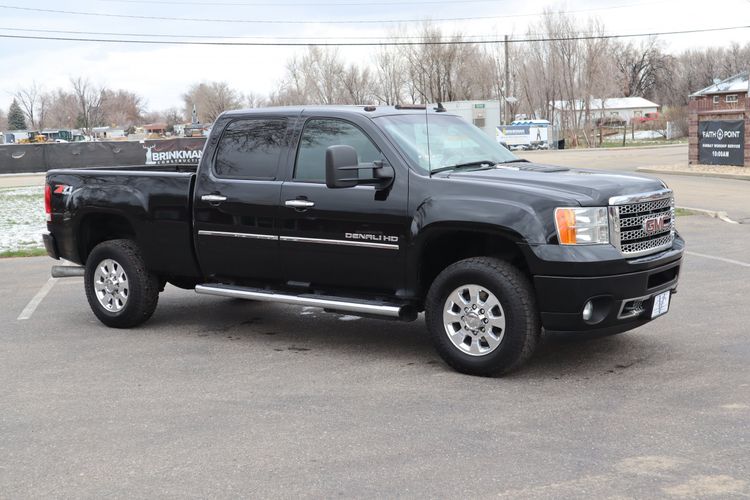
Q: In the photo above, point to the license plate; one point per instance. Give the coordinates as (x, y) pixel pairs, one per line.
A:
(661, 304)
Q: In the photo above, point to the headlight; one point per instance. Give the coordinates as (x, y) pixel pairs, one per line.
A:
(582, 226)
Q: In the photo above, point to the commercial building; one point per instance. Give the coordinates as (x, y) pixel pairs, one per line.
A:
(719, 123)
(483, 114)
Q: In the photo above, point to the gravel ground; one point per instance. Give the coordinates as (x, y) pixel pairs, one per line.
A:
(21, 218)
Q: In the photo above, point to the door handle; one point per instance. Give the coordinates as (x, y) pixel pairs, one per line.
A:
(299, 203)
(213, 198)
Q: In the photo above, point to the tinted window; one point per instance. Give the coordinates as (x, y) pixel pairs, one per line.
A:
(318, 135)
(249, 149)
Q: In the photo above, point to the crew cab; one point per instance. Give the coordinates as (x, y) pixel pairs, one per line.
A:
(381, 212)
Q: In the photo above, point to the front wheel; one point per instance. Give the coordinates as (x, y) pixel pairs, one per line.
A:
(121, 292)
(482, 316)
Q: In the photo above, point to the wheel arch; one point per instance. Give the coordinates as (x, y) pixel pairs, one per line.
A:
(442, 244)
(97, 227)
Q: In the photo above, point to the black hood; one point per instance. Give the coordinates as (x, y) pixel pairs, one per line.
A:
(588, 187)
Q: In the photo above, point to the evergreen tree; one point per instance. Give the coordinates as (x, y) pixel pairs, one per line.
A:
(16, 118)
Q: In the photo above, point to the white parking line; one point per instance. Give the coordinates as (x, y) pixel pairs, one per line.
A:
(34, 303)
(713, 257)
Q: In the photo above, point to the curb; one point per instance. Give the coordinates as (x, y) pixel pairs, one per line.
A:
(723, 216)
(738, 177)
(599, 150)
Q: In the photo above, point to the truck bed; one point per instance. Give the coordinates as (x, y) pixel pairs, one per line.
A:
(155, 201)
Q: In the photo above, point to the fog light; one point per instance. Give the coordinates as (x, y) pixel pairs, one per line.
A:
(588, 310)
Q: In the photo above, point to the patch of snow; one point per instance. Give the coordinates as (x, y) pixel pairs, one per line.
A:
(22, 218)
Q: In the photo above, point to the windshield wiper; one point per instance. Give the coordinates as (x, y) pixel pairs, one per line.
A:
(489, 163)
(515, 160)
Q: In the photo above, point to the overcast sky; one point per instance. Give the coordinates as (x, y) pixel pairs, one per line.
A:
(161, 73)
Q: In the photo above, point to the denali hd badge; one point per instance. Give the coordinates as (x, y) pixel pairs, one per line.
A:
(371, 237)
(655, 224)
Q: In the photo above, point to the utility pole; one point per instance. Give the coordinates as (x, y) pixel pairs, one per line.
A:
(507, 77)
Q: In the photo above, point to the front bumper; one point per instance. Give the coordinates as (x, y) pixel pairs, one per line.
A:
(621, 301)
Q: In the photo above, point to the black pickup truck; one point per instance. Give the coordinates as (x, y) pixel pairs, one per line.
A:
(380, 212)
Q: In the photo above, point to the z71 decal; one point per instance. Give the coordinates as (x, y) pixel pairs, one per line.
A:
(63, 189)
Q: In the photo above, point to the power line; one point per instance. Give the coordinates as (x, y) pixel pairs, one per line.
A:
(373, 44)
(260, 37)
(328, 21)
(300, 4)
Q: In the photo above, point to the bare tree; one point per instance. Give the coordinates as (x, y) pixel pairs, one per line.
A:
(357, 85)
(318, 77)
(211, 99)
(90, 101)
(28, 98)
(254, 100)
(389, 81)
(322, 72)
(440, 71)
(62, 110)
(121, 107)
(639, 66)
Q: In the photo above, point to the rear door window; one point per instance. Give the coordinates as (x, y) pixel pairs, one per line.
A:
(250, 149)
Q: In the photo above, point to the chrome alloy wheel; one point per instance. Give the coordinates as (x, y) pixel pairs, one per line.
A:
(111, 285)
(474, 320)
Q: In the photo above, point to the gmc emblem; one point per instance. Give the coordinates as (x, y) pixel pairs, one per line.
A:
(655, 224)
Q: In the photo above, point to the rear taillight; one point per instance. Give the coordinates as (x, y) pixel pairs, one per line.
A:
(48, 202)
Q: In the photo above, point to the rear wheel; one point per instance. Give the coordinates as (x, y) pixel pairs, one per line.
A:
(121, 292)
(482, 316)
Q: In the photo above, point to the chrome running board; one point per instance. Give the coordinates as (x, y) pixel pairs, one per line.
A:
(404, 312)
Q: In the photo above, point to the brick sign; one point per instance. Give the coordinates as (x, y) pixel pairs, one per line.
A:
(721, 142)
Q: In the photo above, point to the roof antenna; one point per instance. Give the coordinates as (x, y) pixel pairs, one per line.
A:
(439, 108)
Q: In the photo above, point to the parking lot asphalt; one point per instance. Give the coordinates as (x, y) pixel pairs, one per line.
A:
(225, 398)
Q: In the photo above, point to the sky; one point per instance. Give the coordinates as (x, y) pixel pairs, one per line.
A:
(161, 73)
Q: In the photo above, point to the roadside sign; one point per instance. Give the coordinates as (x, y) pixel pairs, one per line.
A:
(721, 142)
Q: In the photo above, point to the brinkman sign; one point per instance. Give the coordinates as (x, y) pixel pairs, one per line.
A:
(174, 151)
(721, 142)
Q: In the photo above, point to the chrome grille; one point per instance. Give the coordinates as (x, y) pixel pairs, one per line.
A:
(629, 215)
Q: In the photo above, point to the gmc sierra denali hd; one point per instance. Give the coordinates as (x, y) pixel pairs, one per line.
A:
(379, 212)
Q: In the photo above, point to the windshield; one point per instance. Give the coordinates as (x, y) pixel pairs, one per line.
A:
(452, 141)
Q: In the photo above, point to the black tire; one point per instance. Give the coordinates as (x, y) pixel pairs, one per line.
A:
(512, 288)
(140, 286)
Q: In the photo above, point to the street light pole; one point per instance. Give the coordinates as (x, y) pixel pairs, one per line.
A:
(507, 77)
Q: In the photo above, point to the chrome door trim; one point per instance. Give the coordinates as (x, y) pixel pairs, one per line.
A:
(346, 243)
(254, 236)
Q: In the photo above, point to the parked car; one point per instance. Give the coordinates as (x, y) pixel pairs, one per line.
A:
(381, 212)
(647, 117)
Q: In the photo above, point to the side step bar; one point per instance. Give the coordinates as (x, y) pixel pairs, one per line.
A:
(403, 312)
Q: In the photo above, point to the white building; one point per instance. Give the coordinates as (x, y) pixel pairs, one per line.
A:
(106, 133)
(613, 109)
